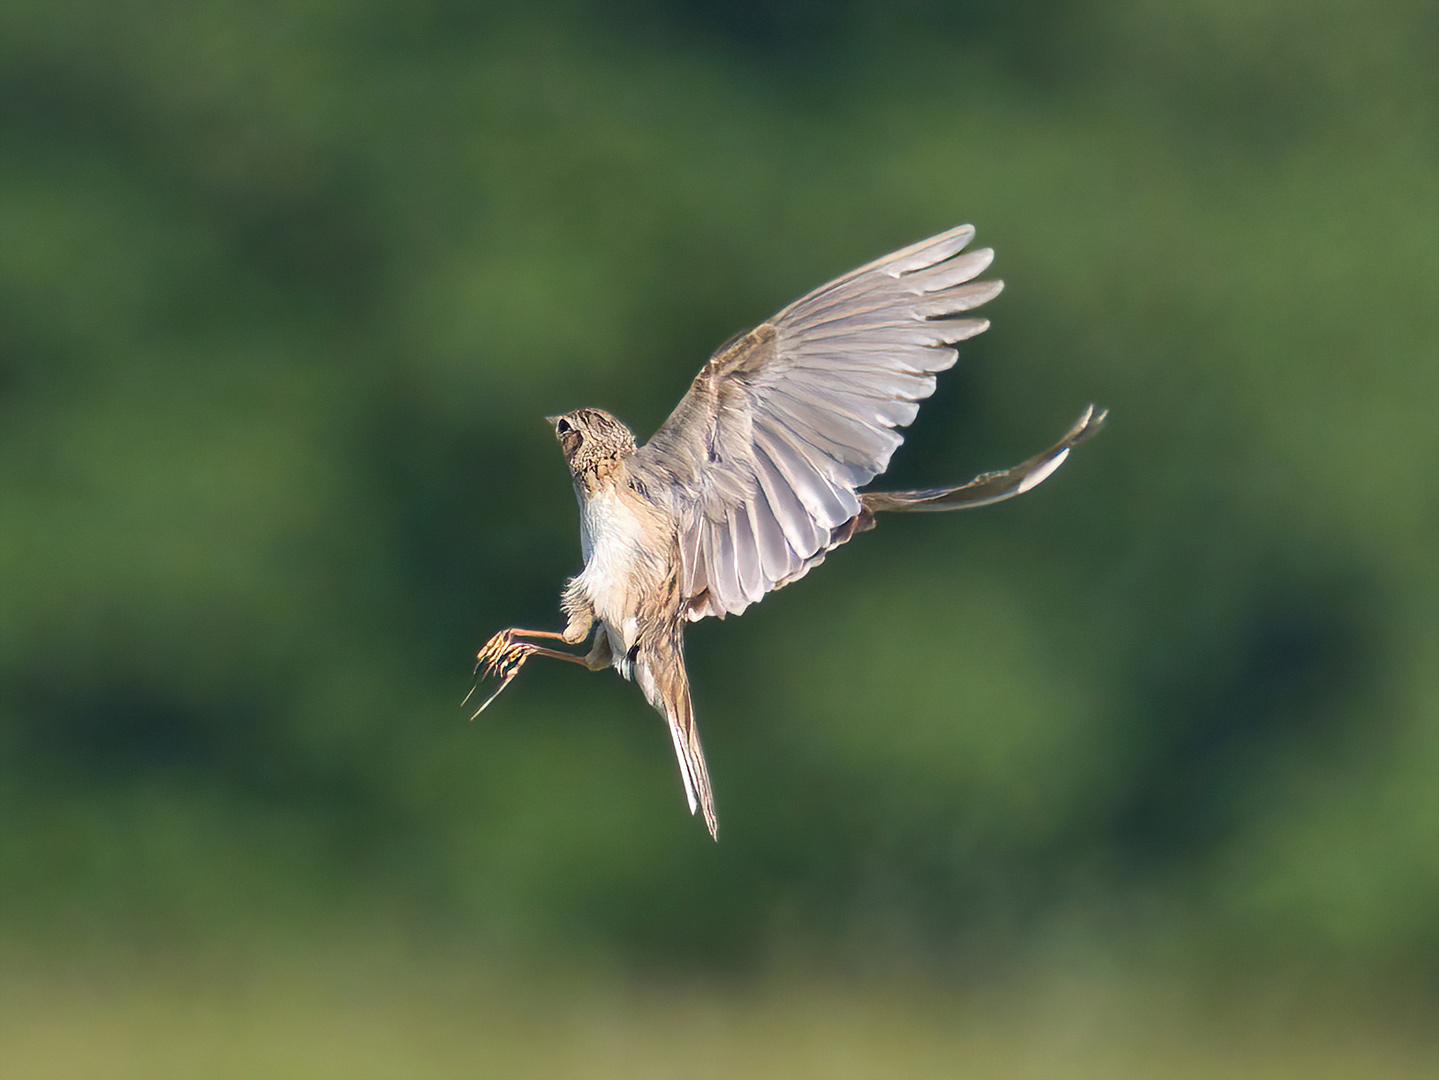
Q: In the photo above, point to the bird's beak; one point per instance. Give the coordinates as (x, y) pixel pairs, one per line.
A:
(552, 420)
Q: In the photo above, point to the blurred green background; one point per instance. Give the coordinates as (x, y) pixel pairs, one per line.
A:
(1133, 776)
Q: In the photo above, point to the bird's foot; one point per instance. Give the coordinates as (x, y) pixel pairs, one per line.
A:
(502, 657)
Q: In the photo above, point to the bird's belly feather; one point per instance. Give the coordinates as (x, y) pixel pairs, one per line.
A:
(616, 570)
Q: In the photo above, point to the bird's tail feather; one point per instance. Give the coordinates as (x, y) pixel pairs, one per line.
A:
(661, 675)
(990, 487)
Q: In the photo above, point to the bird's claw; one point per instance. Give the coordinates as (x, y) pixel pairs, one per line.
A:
(502, 657)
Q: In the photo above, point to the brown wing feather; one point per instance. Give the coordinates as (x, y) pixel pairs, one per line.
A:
(766, 450)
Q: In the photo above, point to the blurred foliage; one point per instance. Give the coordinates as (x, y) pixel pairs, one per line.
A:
(285, 291)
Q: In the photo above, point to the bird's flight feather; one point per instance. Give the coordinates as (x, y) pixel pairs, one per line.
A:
(767, 449)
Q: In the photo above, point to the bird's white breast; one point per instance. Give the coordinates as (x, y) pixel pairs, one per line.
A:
(617, 562)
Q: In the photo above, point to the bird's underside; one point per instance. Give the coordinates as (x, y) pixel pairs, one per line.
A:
(755, 476)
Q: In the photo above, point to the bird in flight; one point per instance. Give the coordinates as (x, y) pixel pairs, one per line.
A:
(755, 476)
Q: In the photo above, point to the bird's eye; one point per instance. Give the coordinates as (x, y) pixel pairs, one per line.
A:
(562, 427)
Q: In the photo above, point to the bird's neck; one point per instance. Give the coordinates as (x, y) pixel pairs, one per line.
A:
(598, 476)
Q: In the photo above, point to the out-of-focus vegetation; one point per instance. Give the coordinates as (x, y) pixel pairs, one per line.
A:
(338, 1016)
(285, 291)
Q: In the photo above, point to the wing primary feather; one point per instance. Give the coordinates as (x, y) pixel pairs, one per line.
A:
(927, 252)
(917, 256)
(901, 345)
(855, 402)
(948, 331)
(864, 379)
(793, 515)
(951, 272)
(956, 300)
(776, 557)
(853, 446)
(821, 497)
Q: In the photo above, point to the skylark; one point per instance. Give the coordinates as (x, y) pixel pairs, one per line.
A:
(755, 476)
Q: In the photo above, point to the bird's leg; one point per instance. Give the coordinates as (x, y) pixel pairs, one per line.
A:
(504, 655)
(553, 635)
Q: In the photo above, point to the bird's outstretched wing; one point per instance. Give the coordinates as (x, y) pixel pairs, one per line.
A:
(767, 448)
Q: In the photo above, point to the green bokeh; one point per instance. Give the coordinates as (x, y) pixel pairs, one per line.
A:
(284, 293)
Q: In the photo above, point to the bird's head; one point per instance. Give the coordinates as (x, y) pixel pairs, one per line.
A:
(594, 444)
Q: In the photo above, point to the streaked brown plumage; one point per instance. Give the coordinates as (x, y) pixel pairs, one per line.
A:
(754, 477)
